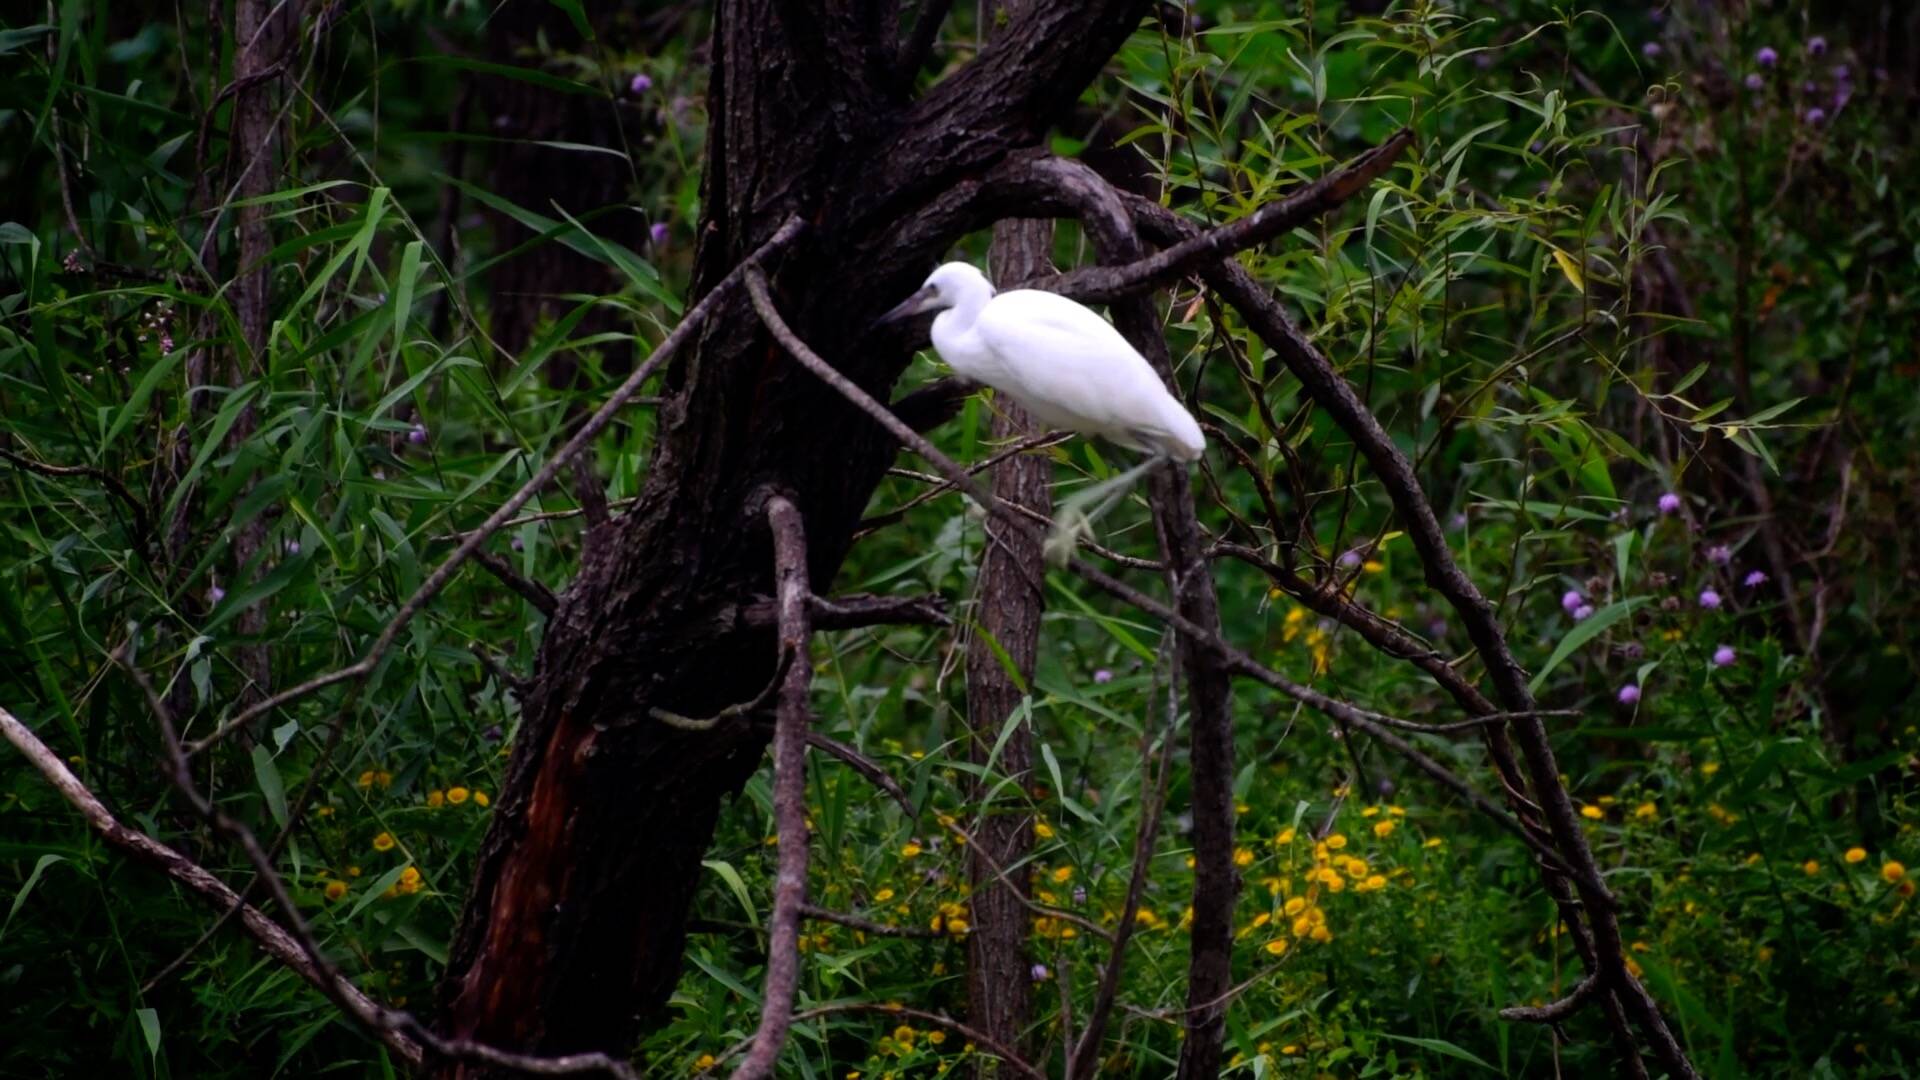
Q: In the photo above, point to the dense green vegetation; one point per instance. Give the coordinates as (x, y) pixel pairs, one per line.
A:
(1639, 303)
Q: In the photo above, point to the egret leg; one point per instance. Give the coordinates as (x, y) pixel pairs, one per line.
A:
(1073, 519)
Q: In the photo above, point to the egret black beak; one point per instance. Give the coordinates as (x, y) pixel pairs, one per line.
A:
(911, 306)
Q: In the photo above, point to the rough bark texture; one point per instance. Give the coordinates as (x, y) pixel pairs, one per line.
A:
(526, 288)
(573, 932)
(999, 996)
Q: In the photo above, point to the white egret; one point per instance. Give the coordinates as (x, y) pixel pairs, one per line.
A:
(1066, 366)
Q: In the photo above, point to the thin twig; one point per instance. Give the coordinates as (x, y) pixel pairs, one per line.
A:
(867, 926)
(792, 721)
(538, 595)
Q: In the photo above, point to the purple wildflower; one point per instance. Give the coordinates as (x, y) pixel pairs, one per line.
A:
(1080, 895)
(493, 734)
(1669, 503)
(1385, 787)
(1650, 50)
(1756, 579)
(216, 594)
(1583, 613)
(1723, 656)
(1766, 57)
(1458, 521)
(1816, 116)
(166, 343)
(1720, 554)
(641, 83)
(1817, 45)
(1040, 973)
(1629, 694)
(417, 434)
(1570, 600)
(1350, 558)
(657, 233)
(1841, 72)
(1709, 599)
(293, 547)
(518, 545)
(1103, 676)
(1754, 81)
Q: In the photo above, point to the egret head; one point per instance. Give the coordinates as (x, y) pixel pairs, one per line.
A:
(950, 285)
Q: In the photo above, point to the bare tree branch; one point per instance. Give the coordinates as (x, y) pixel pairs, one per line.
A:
(1107, 284)
(538, 595)
(792, 722)
(854, 611)
(867, 926)
(273, 940)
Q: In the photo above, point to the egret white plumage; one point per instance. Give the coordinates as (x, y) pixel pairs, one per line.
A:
(1065, 365)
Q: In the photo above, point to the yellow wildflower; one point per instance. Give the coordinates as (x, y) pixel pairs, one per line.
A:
(1043, 830)
(1062, 875)
(1242, 857)
(1592, 813)
(936, 1037)
(1891, 871)
(1374, 882)
(1810, 867)
(1646, 811)
(480, 799)
(457, 795)
(1708, 768)
(1277, 946)
(910, 850)
(1856, 855)
(1336, 841)
(1295, 905)
(383, 842)
(883, 896)
(436, 798)
(704, 1061)
(1384, 828)
(336, 889)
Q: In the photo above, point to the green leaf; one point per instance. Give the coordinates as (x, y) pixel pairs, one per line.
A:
(33, 879)
(734, 883)
(380, 885)
(1438, 1046)
(1583, 632)
(268, 774)
(150, 1027)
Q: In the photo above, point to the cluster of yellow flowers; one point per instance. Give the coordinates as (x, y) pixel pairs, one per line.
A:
(904, 1040)
(409, 882)
(1319, 643)
(951, 919)
(454, 796)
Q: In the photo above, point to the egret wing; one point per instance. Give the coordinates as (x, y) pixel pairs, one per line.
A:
(1070, 367)
(1067, 364)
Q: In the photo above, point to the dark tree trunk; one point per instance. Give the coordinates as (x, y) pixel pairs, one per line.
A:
(1010, 600)
(526, 288)
(573, 932)
(265, 32)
